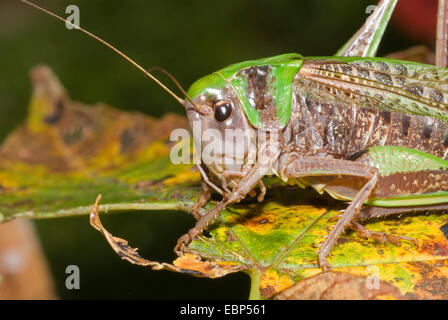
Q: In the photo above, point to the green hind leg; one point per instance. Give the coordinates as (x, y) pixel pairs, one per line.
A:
(365, 42)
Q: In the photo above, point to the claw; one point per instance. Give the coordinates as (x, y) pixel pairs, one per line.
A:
(185, 240)
(182, 243)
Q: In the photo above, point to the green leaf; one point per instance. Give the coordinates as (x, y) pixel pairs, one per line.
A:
(67, 153)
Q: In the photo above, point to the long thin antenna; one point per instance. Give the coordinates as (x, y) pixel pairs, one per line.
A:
(203, 111)
(135, 64)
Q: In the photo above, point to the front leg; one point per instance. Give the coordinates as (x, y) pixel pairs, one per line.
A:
(317, 166)
(226, 174)
(246, 184)
(202, 200)
(201, 225)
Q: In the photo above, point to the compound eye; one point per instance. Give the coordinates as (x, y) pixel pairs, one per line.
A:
(223, 110)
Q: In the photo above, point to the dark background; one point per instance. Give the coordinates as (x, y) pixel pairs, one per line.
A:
(188, 38)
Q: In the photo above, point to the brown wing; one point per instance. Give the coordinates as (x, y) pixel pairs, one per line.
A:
(378, 83)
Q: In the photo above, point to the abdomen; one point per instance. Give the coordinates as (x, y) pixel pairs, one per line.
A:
(356, 103)
(348, 130)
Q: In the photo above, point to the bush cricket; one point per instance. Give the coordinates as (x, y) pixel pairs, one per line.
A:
(366, 130)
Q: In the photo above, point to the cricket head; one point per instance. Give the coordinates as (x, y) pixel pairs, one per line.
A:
(228, 108)
(222, 134)
(239, 99)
